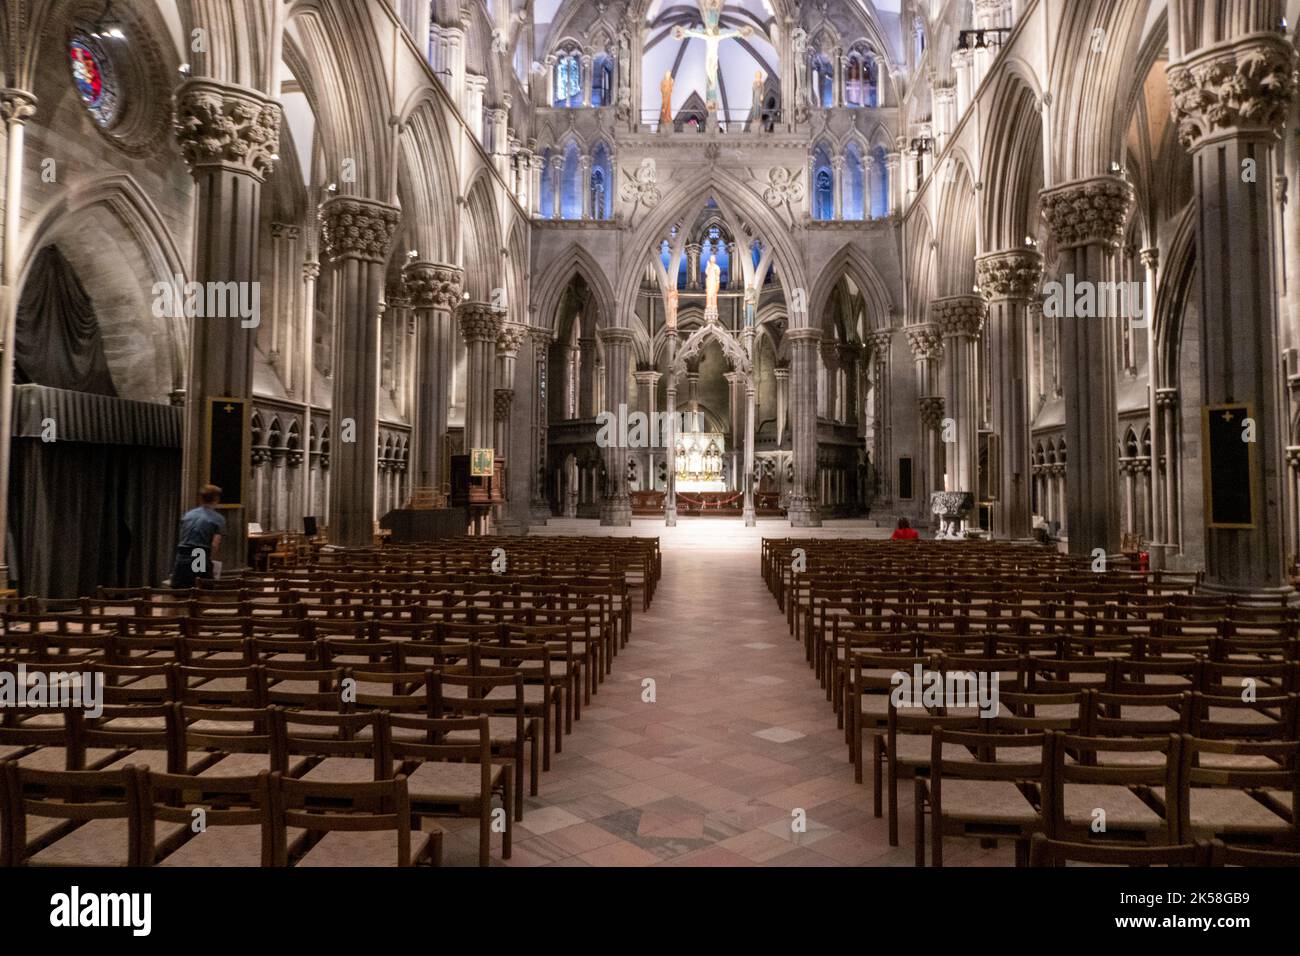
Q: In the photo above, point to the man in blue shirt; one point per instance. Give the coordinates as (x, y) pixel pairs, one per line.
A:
(201, 531)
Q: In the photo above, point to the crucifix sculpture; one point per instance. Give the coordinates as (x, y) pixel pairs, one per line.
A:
(712, 34)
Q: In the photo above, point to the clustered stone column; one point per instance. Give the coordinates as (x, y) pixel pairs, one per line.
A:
(509, 339)
(541, 339)
(927, 352)
(434, 290)
(357, 235)
(881, 342)
(480, 324)
(782, 373)
(1087, 219)
(1230, 100)
(16, 108)
(229, 137)
(616, 506)
(960, 320)
(1008, 280)
(802, 507)
(647, 383)
(670, 407)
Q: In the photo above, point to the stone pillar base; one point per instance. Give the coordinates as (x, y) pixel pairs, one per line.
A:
(751, 519)
(802, 512)
(616, 512)
(670, 516)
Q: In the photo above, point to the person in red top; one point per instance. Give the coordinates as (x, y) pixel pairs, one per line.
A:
(904, 532)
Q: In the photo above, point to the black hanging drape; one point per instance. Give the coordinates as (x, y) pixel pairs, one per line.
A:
(85, 515)
(57, 340)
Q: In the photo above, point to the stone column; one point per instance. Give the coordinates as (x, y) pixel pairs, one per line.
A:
(1158, 544)
(541, 339)
(693, 265)
(588, 382)
(736, 411)
(480, 324)
(1230, 101)
(831, 370)
(881, 343)
(802, 508)
(584, 164)
(1087, 219)
(536, 165)
(647, 384)
(1008, 280)
(847, 355)
(357, 235)
(509, 339)
(616, 508)
(927, 352)
(895, 183)
(747, 476)
(310, 273)
(837, 168)
(782, 373)
(557, 186)
(229, 137)
(434, 290)
(16, 108)
(961, 322)
(693, 385)
(1171, 476)
(670, 406)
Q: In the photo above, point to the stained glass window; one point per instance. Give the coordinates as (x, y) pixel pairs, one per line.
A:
(92, 74)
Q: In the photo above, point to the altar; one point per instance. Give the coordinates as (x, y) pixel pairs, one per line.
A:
(699, 462)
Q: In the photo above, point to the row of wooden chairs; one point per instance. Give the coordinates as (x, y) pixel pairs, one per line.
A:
(453, 761)
(1013, 786)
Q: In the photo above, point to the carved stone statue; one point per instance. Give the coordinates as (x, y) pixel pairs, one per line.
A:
(756, 103)
(799, 39)
(624, 60)
(712, 279)
(666, 100)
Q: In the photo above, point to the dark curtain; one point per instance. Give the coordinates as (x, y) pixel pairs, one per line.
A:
(57, 341)
(85, 515)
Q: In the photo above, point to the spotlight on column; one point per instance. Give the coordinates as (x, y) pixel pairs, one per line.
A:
(332, 188)
(412, 254)
(184, 69)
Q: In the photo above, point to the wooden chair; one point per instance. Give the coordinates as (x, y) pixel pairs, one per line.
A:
(445, 774)
(981, 795)
(1223, 855)
(1045, 852)
(210, 821)
(1092, 775)
(1252, 798)
(499, 696)
(350, 824)
(72, 817)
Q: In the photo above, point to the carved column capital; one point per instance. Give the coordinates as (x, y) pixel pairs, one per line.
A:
(931, 409)
(1088, 211)
(959, 315)
(217, 124)
(354, 228)
(479, 322)
(17, 106)
(510, 338)
(1242, 87)
(1013, 274)
(433, 285)
(880, 342)
(925, 341)
(615, 336)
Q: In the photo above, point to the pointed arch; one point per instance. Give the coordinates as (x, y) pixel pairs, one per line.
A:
(552, 283)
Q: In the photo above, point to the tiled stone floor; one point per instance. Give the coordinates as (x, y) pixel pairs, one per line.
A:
(738, 738)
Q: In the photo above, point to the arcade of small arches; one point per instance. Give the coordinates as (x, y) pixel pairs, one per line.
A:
(826, 231)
